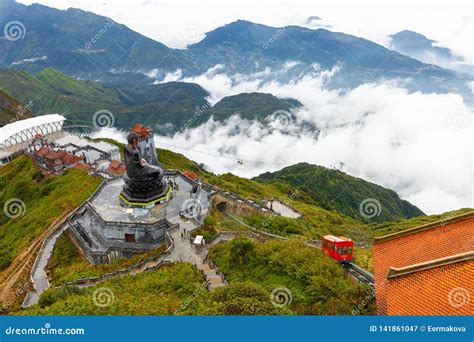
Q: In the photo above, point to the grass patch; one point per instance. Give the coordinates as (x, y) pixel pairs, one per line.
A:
(159, 292)
(318, 285)
(45, 199)
(68, 264)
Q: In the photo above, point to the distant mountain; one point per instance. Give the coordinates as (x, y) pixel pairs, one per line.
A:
(89, 46)
(251, 106)
(418, 46)
(78, 43)
(336, 190)
(166, 107)
(243, 43)
(161, 106)
(415, 44)
(245, 47)
(11, 109)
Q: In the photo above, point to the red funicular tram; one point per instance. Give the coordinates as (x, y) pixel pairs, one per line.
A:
(338, 247)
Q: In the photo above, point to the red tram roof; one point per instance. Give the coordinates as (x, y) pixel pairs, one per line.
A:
(336, 238)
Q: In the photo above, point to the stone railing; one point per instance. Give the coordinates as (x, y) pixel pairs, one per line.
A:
(93, 280)
(125, 224)
(64, 220)
(215, 190)
(140, 265)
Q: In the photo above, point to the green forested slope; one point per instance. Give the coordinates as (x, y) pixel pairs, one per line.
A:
(166, 107)
(336, 190)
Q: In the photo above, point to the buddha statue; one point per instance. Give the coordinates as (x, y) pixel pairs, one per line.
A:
(144, 183)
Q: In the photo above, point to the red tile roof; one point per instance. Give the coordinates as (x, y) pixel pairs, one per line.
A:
(116, 168)
(82, 166)
(42, 151)
(59, 157)
(69, 159)
(53, 155)
(441, 287)
(406, 250)
(141, 130)
(190, 175)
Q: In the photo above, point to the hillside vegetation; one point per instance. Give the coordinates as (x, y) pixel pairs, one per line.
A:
(317, 284)
(166, 107)
(44, 200)
(386, 228)
(312, 283)
(11, 109)
(67, 262)
(250, 103)
(151, 293)
(335, 190)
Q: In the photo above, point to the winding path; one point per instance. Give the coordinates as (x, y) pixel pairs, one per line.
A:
(38, 275)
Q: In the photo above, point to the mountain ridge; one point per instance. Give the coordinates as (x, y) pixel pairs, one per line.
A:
(12, 110)
(165, 107)
(120, 54)
(324, 185)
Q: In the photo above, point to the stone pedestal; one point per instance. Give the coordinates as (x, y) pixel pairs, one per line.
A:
(144, 193)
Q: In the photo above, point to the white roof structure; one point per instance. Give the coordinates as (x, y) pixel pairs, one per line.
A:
(23, 130)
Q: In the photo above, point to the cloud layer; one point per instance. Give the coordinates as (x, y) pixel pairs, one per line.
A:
(419, 145)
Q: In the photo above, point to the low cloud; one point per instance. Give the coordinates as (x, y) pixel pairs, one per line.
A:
(29, 60)
(416, 144)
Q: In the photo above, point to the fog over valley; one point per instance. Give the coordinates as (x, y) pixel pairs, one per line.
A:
(413, 143)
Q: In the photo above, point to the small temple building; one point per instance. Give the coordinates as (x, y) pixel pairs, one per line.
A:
(55, 161)
(146, 144)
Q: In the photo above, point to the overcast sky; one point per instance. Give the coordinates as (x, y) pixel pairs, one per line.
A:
(177, 23)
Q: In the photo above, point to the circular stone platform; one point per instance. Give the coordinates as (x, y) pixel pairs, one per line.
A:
(107, 203)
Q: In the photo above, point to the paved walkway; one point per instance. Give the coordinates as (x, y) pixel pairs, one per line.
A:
(185, 251)
(38, 274)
